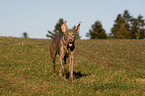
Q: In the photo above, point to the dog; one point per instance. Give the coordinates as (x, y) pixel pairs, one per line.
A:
(64, 45)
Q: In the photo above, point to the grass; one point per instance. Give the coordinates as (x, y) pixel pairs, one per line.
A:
(102, 67)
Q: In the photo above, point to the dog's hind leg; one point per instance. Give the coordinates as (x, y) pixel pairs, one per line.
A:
(53, 55)
(53, 61)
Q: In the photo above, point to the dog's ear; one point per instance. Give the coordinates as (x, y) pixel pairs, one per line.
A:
(64, 27)
(78, 27)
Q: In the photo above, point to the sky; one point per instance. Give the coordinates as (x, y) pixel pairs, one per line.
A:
(36, 17)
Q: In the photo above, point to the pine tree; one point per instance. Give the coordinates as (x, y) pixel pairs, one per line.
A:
(134, 27)
(97, 31)
(119, 20)
(138, 27)
(122, 33)
(57, 29)
(141, 27)
(127, 17)
(122, 24)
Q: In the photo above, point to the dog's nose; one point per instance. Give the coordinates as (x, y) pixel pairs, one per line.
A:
(70, 40)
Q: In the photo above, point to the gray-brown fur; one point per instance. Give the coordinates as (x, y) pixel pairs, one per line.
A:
(63, 44)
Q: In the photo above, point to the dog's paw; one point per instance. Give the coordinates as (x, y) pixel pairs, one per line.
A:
(53, 70)
(70, 79)
(60, 74)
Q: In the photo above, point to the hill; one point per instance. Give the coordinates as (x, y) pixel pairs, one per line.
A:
(102, 67)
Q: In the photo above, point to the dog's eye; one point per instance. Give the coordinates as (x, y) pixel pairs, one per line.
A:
(73, 35)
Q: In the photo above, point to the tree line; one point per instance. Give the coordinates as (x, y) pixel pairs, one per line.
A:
(125, 27)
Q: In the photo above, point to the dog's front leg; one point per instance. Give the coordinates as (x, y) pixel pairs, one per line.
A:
(63, 66)
(71, 65)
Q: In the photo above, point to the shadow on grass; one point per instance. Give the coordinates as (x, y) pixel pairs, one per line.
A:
(76, 75)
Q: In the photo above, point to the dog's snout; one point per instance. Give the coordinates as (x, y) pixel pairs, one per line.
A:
(70, 40)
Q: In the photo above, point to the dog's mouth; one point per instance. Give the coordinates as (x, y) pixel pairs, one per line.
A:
(70, 44)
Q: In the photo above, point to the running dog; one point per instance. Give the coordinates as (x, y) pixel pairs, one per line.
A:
(64, 45)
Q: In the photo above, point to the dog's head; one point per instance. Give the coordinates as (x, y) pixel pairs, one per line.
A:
(70, 34)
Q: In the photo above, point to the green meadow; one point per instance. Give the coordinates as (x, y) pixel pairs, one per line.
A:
(101, 67)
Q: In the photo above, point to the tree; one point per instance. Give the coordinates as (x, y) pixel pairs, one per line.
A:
(127, 17)
(138, 27)
(141, 27)
(134, 27)
(122, 33)
(57, 29)
(25, 35)
(119, 20)
(97, 31)
(121, 27)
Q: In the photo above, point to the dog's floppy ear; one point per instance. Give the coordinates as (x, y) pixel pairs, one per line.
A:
(64, 27)
(78, 27)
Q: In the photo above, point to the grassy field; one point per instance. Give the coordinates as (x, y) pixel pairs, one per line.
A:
(102, 67)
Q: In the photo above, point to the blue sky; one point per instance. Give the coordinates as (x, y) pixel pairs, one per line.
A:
(36, 17)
